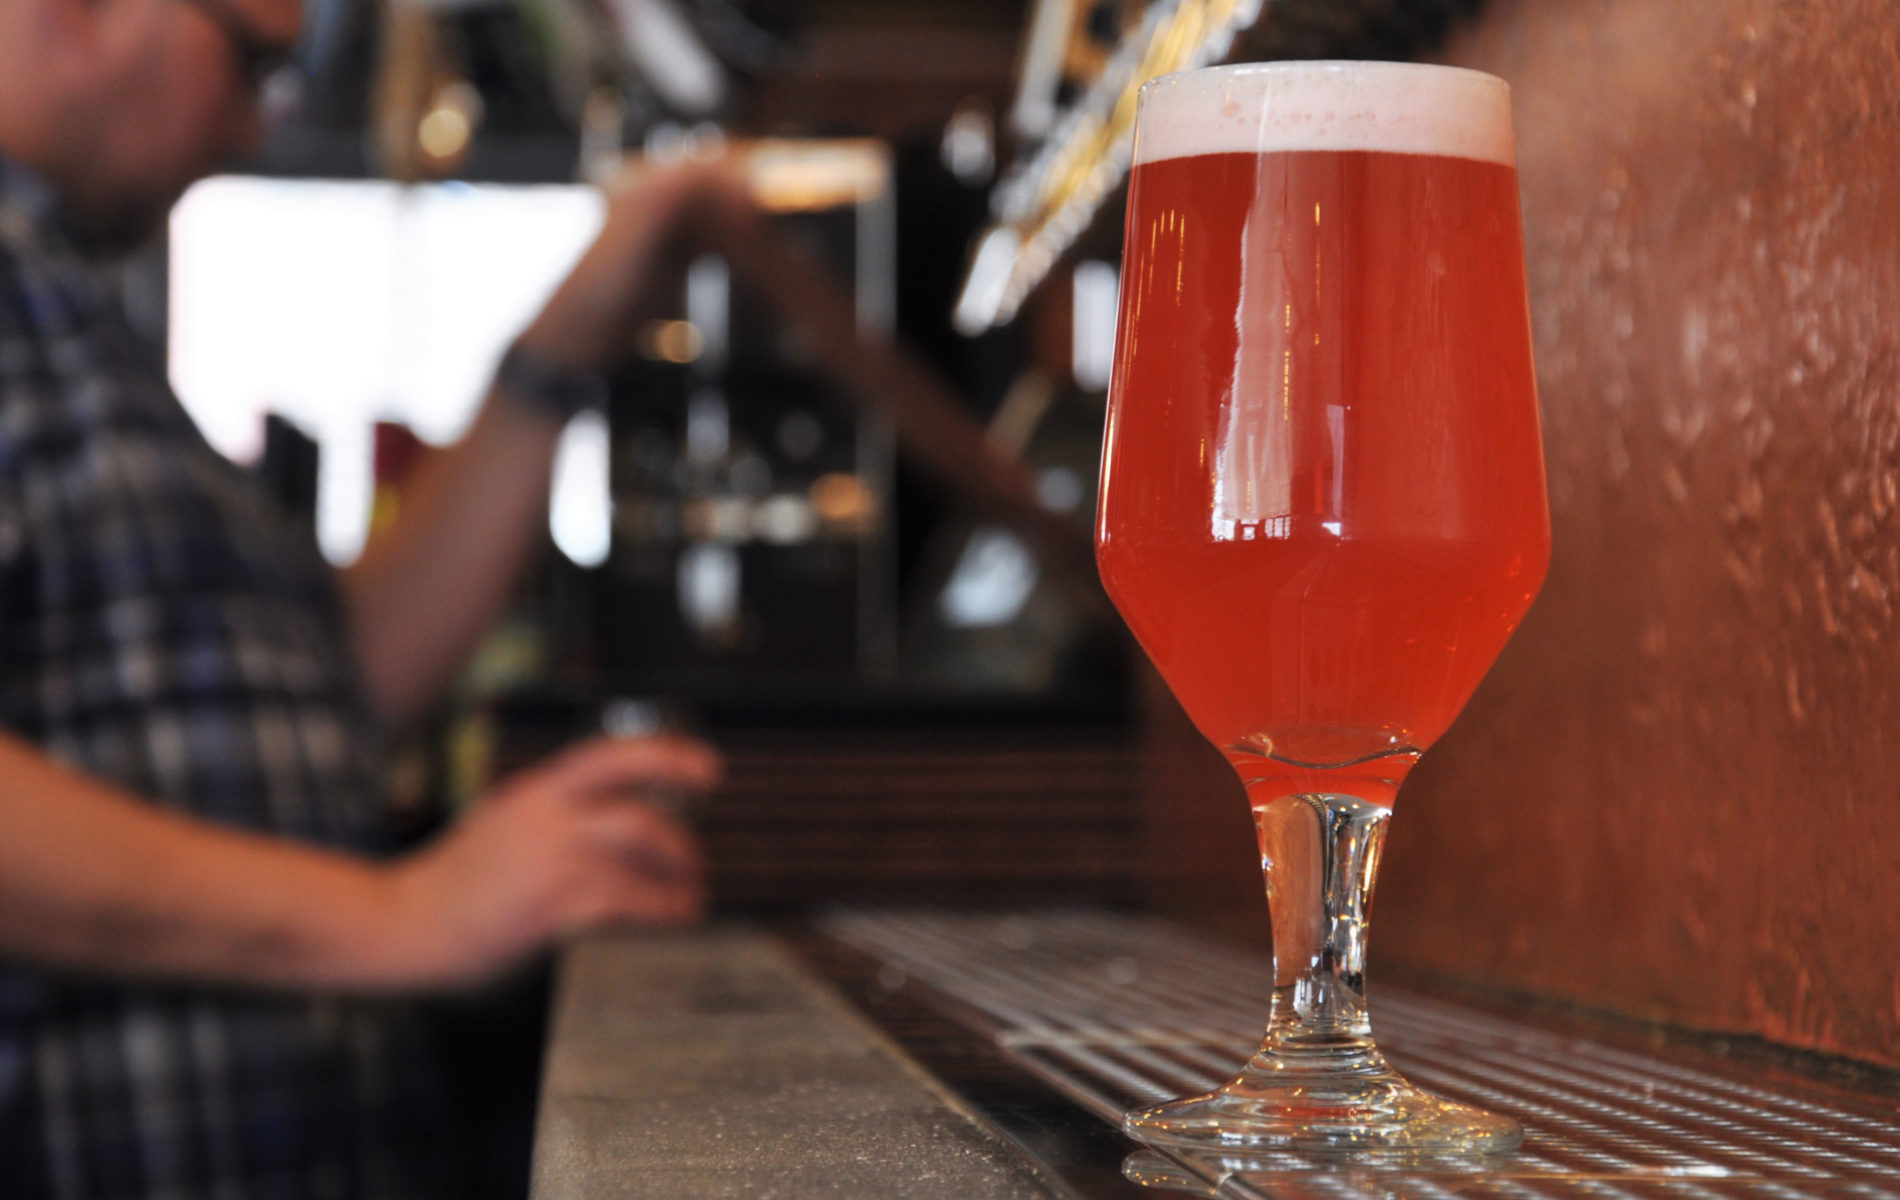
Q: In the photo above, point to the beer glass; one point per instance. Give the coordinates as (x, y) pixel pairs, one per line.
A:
(1323, 508)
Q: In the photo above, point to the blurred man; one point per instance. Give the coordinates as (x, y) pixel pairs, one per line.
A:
(193, 919)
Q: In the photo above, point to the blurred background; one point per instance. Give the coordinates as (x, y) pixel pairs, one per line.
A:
(835, 515)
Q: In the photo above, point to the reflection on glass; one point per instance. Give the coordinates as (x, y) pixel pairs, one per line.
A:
(1323, 507)
(1366, 1175)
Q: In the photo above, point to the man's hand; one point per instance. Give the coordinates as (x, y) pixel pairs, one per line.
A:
(564, 847)
(651, 213)
(426, 589)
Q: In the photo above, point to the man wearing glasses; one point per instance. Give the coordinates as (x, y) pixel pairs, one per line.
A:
(197, 938)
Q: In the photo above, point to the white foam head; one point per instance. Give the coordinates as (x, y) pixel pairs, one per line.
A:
(1258, 108)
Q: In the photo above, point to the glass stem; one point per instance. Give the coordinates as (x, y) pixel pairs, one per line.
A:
(1320, 852)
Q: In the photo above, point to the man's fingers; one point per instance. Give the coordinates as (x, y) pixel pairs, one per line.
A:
(642, 840)
(604, 766)
(637, 900)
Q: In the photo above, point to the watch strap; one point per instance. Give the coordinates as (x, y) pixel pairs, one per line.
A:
(548, 388)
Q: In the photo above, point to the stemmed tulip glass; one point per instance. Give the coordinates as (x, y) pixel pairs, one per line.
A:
(1323, 509)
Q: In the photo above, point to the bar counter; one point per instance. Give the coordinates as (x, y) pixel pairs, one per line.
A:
(969, 1055)
(714, 1064)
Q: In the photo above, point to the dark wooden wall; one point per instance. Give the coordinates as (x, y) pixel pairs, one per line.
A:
(1678, 796)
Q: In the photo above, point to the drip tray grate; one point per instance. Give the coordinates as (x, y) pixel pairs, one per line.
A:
(1116, 1012)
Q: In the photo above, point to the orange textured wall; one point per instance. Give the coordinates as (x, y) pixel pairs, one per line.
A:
(1678, 795)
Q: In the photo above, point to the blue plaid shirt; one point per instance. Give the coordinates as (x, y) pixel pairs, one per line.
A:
(163, 627)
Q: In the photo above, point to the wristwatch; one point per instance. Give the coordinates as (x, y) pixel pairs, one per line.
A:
(554, 391)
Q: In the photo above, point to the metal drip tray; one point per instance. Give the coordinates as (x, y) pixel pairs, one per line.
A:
(1115, 1012)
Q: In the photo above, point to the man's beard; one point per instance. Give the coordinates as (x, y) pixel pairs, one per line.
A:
(117, 228)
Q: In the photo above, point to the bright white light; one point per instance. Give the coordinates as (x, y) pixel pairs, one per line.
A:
(708, 427)
(670, 54)
(988, 281)
(709, 587)
(969, 144)
(580, 513)
(709, 305)
(991, 582)
(281, 298)
(1096, 294)
(1060, 489)
(489, 257)
(342, 303)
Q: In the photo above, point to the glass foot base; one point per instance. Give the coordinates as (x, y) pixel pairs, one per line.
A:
(1383, 1113)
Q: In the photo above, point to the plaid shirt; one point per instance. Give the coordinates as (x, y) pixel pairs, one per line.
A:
(164, 628)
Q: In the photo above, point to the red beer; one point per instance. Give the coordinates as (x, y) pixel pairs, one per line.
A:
(1323, 510)
(1323, 506)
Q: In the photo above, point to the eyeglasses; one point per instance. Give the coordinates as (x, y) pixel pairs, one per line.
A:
(264, 63)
